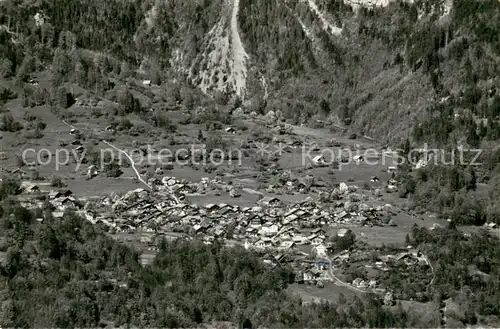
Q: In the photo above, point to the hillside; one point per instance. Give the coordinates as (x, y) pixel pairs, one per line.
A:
(375, 65)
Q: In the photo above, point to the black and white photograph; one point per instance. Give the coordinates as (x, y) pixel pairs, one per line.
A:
(250, 164)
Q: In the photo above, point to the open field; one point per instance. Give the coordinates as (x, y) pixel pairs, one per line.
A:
(330, 292)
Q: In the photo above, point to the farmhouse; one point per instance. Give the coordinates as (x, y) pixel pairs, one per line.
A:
(287, 245)
(319, 160)
(320, 250)
(57, 214)
(318, 231)
(54, 194)
(31, 188)
(264, 243)
(357, 158)
(270, 201)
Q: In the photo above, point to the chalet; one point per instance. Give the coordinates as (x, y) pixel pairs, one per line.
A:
(219, 231)
(315, 239)
(302, 186)
(226, 211)
(57, 214)
(271, 229)
(415, 253)
(281, 258)
(301, 213)
(65, 193)
(299, 239)
(311, 275)
(269, 201)
(295, 143)
(255, 220)
(322, 265)
(290, 219)
(19, 173)
(392, 187)
(357, 158)
(342, 214)
(211, 207)
(391, 169)
(251, 230)
(197, 228)
(287, 235)
(287, 245)
(320, 250)
(125, 228)
(291, 211)
(65, 202)
(54, 194)
(319, 160)
(264, 243)
(318, 231)
(491, 225)
(31, 188)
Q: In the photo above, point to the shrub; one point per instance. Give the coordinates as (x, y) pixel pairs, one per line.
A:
(7, 123)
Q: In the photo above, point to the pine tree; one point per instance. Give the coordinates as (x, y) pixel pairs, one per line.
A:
(472, 180)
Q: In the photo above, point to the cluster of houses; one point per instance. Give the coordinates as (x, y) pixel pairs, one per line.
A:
(57, 201)
(269, 225)
(408, 258)
(292, 233)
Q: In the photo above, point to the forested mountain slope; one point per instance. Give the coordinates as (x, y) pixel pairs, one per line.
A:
(381, 67)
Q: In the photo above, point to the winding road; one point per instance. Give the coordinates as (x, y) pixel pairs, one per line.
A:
(132, 163)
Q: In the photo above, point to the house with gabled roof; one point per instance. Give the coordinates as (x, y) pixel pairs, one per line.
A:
(31, 188)
(290, 219)
(318, 231)
(255, 220)
(54, 194)
(291, 211)
(269, 201)
(287, 245)
(300, 239)
(264, 243)
(320, 250)
(212, 207)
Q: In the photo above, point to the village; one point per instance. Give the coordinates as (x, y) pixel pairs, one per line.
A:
(305, 216)
(304, 235)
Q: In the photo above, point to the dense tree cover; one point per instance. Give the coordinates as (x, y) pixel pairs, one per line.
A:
(9, 187)
(466, 269)
(6, 94)
(262, 28)
(444, 189)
